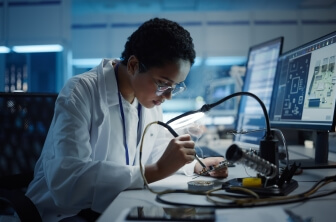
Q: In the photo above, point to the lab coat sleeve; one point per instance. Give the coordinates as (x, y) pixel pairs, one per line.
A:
(73, 178)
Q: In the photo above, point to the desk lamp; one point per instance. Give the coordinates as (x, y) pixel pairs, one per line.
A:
(267, 163)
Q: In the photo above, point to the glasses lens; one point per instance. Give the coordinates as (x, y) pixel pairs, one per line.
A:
(163, 89)
(173, 90)
(179, 88)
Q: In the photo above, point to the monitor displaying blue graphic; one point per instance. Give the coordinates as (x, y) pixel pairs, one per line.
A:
(218, 90)
(259, 80)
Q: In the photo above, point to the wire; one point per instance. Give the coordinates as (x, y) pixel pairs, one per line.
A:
(249, 202)
(235, 201)
(284, 143)
(141, 166)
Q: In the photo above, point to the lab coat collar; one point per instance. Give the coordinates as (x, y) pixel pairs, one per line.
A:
(108, 88)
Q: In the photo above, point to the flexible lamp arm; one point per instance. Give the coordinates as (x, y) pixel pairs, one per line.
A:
(207, 107)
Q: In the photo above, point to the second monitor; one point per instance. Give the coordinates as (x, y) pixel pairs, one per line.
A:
(305, 94)
(259, 80)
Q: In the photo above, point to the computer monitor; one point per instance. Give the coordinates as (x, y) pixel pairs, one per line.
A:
(304, 94)
(219, 89)
(259, 79)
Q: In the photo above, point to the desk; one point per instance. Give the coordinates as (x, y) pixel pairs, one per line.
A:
(320, 209)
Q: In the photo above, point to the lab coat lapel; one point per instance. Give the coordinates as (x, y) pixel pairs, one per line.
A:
(149, 139)
(101, 129)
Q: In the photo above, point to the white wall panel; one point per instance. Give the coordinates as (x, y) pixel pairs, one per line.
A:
(119, 37)
(121, 27)
(90, 36)
(316, 23)
(90, 43)
(272, 24)
(227, 34)
(2, 24)
(215, 33)
(34, 24)
(193, 22)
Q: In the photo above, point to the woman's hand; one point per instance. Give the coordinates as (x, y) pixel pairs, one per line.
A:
(180, 151)
(212, 161)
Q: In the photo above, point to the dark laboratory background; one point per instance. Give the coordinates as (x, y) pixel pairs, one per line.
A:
(82, 32)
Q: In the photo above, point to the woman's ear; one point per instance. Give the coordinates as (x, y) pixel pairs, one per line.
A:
(132, 65)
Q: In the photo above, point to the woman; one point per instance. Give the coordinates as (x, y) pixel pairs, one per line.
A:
(91, 151)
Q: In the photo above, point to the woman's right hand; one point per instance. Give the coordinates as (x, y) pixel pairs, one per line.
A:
(179, 152)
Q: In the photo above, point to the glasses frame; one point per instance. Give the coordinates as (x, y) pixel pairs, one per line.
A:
(163, 89)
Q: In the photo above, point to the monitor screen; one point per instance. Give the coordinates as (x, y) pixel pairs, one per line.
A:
(217, 91)
(304, 91)
(259, 79)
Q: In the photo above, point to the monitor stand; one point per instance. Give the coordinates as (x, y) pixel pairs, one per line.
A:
(321, 154)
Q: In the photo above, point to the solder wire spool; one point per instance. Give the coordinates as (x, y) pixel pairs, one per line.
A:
(200, 185)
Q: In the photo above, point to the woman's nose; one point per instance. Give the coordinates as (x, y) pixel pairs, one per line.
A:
(167, 95)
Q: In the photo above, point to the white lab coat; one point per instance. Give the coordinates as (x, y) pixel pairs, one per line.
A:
(83, 161)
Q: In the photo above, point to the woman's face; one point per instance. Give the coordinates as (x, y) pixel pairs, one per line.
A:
(145, 84)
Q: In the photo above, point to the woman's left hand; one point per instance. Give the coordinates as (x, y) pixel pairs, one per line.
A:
(212, 161)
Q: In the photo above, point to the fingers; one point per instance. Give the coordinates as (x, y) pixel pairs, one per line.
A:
(185, 145)
(221, 173)
(189, 154)
(184, 137)
(180, 151)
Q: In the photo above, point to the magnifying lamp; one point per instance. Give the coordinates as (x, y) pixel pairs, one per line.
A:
(184, 119)
(268, 151)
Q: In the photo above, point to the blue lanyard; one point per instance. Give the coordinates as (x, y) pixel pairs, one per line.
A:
(123, 117)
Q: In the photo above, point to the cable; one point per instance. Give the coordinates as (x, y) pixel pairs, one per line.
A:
(140, 159)
(284, 143)
(236, 201)
(249, 202)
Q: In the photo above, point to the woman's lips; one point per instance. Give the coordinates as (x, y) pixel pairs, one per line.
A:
(158, 102)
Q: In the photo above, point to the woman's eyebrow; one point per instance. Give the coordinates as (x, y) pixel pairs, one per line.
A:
(169, 80)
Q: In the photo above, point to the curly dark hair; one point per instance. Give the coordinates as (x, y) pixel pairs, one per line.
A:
(158, 42)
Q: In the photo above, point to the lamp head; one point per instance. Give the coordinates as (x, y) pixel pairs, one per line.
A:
(185, 119)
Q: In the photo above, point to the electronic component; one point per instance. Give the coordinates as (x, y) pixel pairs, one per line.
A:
(252, 182)
(206, 171)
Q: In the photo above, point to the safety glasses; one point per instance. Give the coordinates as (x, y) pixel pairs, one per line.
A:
(164, 89)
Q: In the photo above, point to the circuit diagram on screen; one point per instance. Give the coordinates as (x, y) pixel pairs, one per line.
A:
(296, 87)
(321, 92)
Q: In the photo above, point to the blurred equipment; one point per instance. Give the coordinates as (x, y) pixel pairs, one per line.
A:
(224, 114)
(24, 119)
